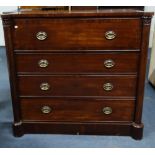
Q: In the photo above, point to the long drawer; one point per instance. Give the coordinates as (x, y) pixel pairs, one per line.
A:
(73, 63)
(77, 34)
(77, 110)
(68, 85)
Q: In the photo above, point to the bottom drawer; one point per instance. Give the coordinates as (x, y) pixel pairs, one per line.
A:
(83, 110)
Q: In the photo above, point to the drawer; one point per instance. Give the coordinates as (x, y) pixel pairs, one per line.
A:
(77, 34)
(69, 85)
(85, 110)
(65, 63)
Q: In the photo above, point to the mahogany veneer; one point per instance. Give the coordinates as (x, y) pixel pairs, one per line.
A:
(77, 72)
(84, 63)
(77, 34)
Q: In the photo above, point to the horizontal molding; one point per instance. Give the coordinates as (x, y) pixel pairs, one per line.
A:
(88, 75)
(74, 51)
(84, 97)
(74, 74)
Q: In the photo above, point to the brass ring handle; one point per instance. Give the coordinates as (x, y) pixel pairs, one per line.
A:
(44, 86)
(107, 86)
(107, 110)
(41, 35)
(43, 63)
(110, 35)
(46, 109)
(109, 63)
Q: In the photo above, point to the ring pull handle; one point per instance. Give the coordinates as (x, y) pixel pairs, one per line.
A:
(46, 109)
(107, 110)
(109, 63)
(41, 35)
(43, 63)
(44, 86)
(110, 35)
(108, 86)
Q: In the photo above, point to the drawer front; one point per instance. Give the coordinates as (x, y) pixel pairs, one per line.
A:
(80, 33)
(77, 110)
(77, 63)
(77, 85)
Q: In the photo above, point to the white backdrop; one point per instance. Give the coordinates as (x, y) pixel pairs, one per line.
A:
(4, 9)
(151, 8)
(10, 8)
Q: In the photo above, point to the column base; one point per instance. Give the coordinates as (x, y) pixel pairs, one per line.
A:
(137, 131)
(18, 129)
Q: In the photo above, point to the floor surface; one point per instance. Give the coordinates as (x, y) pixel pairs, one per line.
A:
(69, 141)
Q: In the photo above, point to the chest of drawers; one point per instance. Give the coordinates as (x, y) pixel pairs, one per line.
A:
(77, 72)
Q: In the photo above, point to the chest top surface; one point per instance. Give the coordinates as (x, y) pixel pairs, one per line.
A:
(78, 13)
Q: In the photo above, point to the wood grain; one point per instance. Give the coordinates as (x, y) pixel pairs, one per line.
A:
(91, 86)
(77, 63)
(75, 110)
(85, 34)
(76, 49)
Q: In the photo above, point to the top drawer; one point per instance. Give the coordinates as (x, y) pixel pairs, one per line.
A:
(77, 34)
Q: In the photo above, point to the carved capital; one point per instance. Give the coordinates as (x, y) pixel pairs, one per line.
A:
(146, 20)
(7, 22)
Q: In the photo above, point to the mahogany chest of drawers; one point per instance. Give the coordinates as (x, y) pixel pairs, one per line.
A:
(77, 72)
